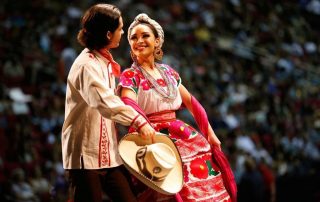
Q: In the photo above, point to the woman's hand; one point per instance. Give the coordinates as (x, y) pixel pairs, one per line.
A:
(186, 98)
(147, 132)
(213, 139)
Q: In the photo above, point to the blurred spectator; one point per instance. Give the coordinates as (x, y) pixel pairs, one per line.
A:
(40, 185)
(251, 185)
(269, 192)
(21, 189)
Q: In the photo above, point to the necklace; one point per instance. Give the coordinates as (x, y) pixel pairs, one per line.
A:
(167, 95)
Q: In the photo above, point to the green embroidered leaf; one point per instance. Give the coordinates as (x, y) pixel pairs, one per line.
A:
(178, 82)
(134, 82)
(211, 170)
(135, 89)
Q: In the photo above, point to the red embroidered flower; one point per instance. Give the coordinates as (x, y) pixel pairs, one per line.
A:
(163, 125)
(199, 168)
(179, 130)
(157, 128)
(145, 85)
(140, 75)
(126, 82)
(161, 82)
(174, 74)
(128, 74)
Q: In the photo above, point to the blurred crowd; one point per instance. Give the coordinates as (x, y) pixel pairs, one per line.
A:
(254, 65)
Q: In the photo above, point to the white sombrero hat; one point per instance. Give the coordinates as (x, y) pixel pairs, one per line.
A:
(158, 164)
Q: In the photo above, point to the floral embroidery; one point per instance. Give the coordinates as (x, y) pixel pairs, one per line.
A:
(162, 127)
(128, 74)
(175, 74)
(145, 85)
(199, 168)
(104, 145)
(126, 82)
(129, 79)
(162, 67)
(179, 129)
(139, 74)
(193, 131)
(212, 170)
(185, 174)
(161, 82)
(133, 78)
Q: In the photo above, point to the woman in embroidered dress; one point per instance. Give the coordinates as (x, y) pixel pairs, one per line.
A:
(155, 90)
(89, 137)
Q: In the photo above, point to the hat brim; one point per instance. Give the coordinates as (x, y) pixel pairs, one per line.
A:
(128, 147)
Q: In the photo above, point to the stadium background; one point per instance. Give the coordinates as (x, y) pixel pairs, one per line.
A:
(254, 65)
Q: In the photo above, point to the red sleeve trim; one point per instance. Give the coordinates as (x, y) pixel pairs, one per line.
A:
(138, 129)
(135, 118)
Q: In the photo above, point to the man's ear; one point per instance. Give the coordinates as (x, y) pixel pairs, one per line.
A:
(109, 35)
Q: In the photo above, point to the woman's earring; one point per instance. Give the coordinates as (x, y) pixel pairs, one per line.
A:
(158, 53)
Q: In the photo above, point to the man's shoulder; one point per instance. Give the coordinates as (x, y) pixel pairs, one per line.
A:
(86, 57)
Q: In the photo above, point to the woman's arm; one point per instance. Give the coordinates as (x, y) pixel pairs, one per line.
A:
(186, 99)
(126, 92)
(146, 130)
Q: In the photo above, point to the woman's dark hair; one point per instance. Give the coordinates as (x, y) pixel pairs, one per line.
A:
(96, 22)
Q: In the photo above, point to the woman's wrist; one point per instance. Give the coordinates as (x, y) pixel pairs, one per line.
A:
(138, 122)
(140, 126)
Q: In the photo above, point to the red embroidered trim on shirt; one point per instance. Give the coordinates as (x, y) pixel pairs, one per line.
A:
(138, 129)
(132, 122)
(104, 155)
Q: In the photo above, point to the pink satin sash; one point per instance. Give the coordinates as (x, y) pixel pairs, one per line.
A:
(218, 156)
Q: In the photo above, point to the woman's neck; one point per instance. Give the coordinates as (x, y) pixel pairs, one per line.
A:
(146, 63)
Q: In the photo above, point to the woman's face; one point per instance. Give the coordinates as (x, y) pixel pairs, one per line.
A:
(142, 41)
(115, 37)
